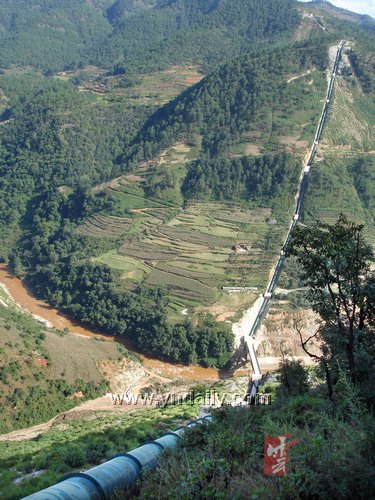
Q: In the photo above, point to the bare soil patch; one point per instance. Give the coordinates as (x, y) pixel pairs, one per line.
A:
(293, 141)
(252, 149)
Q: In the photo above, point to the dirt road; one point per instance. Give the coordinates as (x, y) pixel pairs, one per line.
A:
(103, 403)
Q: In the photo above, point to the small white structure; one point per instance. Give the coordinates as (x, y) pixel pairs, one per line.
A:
(307, 169)
(268, 295)
(296, 217)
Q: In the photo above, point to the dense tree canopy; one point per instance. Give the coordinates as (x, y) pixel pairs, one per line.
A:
(245, 178)
(200, 32)
(143, 35)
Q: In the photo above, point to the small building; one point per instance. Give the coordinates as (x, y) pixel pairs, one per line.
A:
(241, 248)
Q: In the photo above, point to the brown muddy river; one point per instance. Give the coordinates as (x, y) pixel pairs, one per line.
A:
(27, 301)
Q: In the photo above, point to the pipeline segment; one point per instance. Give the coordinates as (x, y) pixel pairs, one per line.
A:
(118, 474)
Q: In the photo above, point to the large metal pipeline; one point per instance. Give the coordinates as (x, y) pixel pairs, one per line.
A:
(118, 474)
(303, 182)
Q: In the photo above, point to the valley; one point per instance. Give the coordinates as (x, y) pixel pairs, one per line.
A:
(149, 168)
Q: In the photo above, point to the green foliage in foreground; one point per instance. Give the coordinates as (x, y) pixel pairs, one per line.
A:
(333, 459)
(336, 266)
(80, 444)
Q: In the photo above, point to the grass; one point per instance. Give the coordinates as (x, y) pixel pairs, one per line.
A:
(331, 191)
(126, 201)
(290, 128)
(351, 119)
(121, 262)
(180, 285)
(331, 456)
(69, 359)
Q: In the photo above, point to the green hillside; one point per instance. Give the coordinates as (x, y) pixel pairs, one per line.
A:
(120, 191)
(81, 442)
(150, 153)
(53, 226)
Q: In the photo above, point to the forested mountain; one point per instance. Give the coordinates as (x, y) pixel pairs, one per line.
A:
(56, 144)
(140, 34)
(150, 157)
(195, 31)
(235, 99)
(49, 34)
(60, 137)
(57, 137)
(326, 8)
(125, 8)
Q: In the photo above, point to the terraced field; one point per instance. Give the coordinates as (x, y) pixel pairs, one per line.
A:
(103, 226)
(151, 89)
(193, 251)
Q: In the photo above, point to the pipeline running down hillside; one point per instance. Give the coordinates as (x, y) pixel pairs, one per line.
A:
(300, 197)
(119, 473)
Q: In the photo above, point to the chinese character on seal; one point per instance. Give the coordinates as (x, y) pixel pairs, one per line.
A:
(276, 454)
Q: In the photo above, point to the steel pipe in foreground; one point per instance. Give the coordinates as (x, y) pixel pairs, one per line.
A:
(119, 473)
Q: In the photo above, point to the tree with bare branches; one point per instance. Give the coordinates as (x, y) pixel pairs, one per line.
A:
(336, 267)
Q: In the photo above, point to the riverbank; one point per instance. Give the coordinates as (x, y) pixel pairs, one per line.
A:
(24, 298)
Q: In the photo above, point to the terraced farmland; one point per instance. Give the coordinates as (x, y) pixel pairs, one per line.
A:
(193, 252)
(104, 226)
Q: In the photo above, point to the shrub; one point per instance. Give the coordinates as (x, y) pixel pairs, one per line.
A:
(293, 377)
(74, 456)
